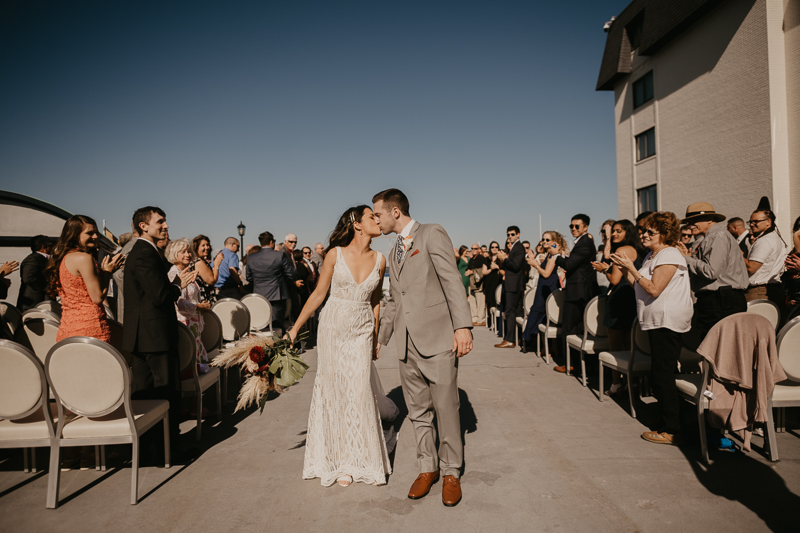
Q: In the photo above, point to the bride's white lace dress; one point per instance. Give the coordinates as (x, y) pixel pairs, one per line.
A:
(344, 426)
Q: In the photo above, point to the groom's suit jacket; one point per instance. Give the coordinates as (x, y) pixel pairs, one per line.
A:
(426, 296)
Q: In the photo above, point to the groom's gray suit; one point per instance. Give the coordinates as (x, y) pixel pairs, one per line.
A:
(427, 303)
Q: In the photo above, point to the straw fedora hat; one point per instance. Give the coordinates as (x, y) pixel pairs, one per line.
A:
(701, 209)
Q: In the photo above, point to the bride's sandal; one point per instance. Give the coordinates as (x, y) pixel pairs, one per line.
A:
(345, 481)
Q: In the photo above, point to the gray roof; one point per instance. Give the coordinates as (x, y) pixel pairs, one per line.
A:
(654, 23)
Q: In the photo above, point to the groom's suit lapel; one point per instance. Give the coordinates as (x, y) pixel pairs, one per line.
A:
(414, 246)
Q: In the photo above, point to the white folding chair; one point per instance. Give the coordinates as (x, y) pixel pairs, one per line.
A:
(91, 379)
(41, 335)
(692, 388)
(595, 336)
(260, 312)
(495, 311)
(786, 393)
(211, 337)
(50, 305)
(633, 363)
(767, 309)
(12, 316)
(550, 330)
(196, 385)
(522, 321)
(37, 312)
(23, 400)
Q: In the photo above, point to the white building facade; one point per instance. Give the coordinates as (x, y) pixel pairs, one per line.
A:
(707, 105)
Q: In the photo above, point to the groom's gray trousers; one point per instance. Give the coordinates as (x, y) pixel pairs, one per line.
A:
(430, 386)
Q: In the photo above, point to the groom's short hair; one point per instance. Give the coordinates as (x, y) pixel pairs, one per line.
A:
(393, 198)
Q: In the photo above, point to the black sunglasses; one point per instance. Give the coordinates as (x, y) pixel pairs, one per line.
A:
(574, 226)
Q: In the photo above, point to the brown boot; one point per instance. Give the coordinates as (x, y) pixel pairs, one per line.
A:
(504, 344)
(422, 485)
(451, 491)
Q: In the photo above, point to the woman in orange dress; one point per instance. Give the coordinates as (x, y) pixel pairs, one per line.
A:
(82, 286)
(78, 280)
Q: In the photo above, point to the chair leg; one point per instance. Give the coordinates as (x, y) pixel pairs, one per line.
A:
(135, 470)
(583, 367)
(219, 402)
(25, 466)
(569, 351)
(771, 440)
(103, 457)
(97, 460)
(630, 393)
(199, 414)
(54, 476)
(701, 420)
(600, 389)
(167, 462)
(33, 460)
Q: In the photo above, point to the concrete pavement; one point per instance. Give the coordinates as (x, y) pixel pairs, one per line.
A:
(541, 454)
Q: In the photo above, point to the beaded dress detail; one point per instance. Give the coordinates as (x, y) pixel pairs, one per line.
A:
(80, 316)
(344, 426)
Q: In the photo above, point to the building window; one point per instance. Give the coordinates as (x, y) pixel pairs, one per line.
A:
(646, 144)
(643, 90)
(648, 199)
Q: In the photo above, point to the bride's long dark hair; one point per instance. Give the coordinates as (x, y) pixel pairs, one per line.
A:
(345, 230)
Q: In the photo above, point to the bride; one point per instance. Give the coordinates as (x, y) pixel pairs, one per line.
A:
(345, 441)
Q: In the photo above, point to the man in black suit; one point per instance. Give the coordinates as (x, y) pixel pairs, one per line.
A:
(516, 277)
(581, 283)
(33, 286)
(150, 331)
(270, 273)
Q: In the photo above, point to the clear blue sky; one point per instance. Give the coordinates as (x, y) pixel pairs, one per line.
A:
(283, 114)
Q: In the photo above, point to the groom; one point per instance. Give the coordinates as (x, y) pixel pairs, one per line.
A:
(428, 312)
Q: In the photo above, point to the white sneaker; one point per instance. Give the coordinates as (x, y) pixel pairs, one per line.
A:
(390, 436)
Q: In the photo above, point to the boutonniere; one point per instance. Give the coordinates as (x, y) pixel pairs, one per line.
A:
(408, 242)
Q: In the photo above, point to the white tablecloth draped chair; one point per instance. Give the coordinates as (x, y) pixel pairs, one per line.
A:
(196, 385)
(23, 398)
(260, 312)
(522, 321)
(36, 312)
(633, 363)
(767, 309)
(554, 305)
(595, 336)
(50, 305)
(92, 380)
(786, 393)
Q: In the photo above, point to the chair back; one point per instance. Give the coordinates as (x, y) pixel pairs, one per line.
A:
(235, 318)
(593, 317)
(211, 336)
(554, 305)
(22, 382)
(41, 334)
(528, 299)
(116, 340)
(498, 294)
(640, 339)
(260, 311)
(789, 348)
(50, 305)
(37, 312)
(767, 309)
(187, 346)
(88, 376)
(11, 315)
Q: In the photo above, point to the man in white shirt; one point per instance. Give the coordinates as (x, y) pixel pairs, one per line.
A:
(766, 260)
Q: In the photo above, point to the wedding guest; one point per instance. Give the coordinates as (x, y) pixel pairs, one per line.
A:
(716, 271)
(766, 259)
(303, 274)
(516, 271)
(604, 253)
(494, 277)
(82, 284)
(289, 244)
(581, 283)
(6, 268)
(150, 331)
(477, 268)
(119, 275)
(207, 270)
(737, 228)
(527, 246)
(229, 282)
(318, 255)
(640, 221)
(463, 255)
(161, 244)
(189, 308)
(485, 250)
(548, 283)
(313, 270)
(621, 300)
(271, 273)
(791, 277)
(664, 308)
(251, 249)
(33, 282)
(687, 236)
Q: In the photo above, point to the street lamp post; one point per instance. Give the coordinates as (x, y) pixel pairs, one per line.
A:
(241, 228)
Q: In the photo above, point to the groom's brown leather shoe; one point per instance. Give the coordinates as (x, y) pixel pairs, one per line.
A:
(422, 485)
(451, 491)
(504, 344)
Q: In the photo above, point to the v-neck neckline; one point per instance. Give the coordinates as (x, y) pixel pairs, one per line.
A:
(341, 252)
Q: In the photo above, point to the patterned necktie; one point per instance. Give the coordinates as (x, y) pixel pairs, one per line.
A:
(399, 249)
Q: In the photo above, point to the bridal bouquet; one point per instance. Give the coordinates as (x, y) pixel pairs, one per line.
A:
(271, 364)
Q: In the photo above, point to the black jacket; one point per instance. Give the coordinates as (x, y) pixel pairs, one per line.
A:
(151, 324)
(33, 286)
(271, 274)
(581, 277)
(516, 269)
